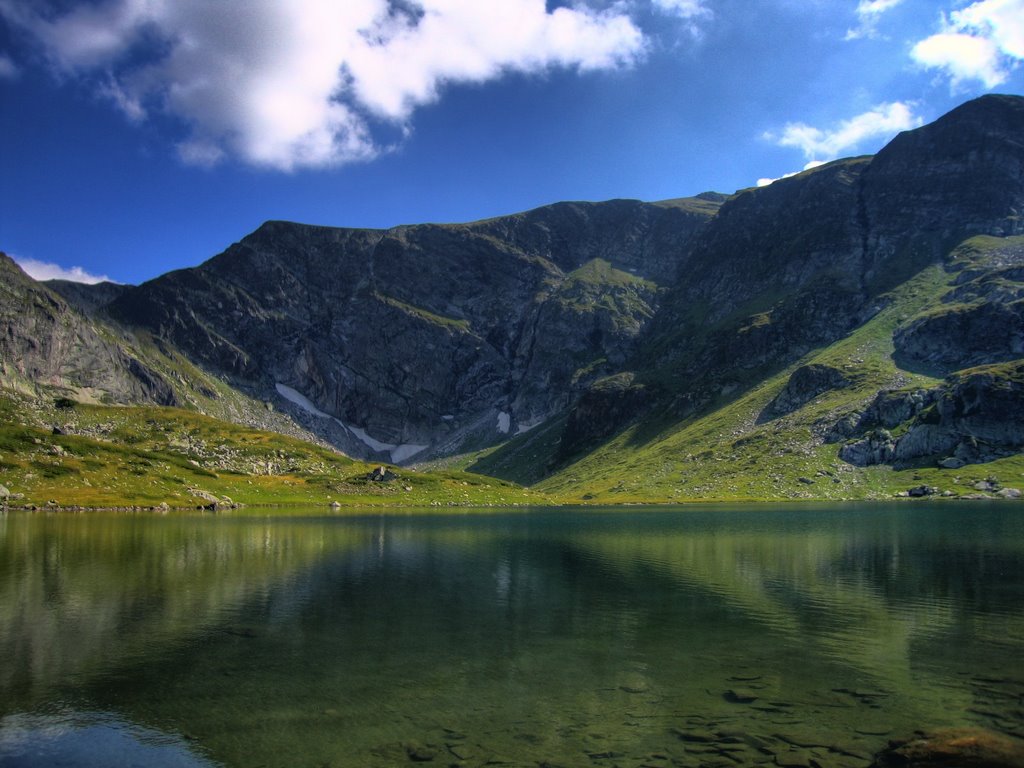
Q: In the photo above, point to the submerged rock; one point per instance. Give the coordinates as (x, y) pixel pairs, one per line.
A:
(954, 748)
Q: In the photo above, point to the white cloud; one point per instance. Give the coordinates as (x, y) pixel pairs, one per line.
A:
(129, 104)
(199, 152)
(8, 69)
(868, 13)
(982, 42)
(884, 121)
(686, 9)
(299, 83)
(44, 270)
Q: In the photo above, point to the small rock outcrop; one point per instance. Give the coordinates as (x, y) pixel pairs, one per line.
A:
(381, 474)
(877, 447)
(974, 416)
(602, 410)
(805, 384)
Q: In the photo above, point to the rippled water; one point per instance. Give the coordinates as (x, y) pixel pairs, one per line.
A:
(688, 636)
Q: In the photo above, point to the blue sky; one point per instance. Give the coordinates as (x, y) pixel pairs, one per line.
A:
(140, 136)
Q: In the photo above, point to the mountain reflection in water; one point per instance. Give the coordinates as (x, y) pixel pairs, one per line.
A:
(559, 636)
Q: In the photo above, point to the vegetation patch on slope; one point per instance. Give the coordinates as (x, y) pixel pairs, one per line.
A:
(729, 451)
(69, 454)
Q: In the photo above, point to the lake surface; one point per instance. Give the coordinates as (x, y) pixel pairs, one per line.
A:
(688, 636)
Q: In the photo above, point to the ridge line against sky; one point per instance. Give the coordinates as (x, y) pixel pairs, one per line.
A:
(159, 131)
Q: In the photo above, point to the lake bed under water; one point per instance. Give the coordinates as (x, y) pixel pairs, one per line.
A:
(692, 636)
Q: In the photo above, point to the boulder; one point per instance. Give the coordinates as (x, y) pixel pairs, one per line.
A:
(212, 502)
(954, 748)
(878, 447)
(381, 475)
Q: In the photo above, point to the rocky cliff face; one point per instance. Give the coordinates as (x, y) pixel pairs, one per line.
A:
(427, 339)
(43, 340)
(974, 416)
(796, 264)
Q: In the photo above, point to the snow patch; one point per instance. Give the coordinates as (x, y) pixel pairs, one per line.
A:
(407, 451)
(376, 445)
(294, 396)
(399, 453)
(526, 426)
(504, 422)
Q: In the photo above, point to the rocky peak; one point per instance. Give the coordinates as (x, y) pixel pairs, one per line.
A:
(45, 341)
(959, 176)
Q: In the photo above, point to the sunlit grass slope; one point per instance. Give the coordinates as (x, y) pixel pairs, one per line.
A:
(106, 456)
(731, 451)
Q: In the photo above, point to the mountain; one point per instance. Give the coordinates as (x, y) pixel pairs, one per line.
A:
(45, 340)
(426, 340)
(847, 331)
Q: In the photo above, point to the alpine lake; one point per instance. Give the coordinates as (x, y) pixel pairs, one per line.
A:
(803, 635)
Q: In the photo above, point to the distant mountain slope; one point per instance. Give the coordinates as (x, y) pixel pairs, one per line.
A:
(87, 297)
(806, 262)
(44, 340)
(426, 339)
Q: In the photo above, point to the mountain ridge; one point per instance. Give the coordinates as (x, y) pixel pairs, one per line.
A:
(579, 330)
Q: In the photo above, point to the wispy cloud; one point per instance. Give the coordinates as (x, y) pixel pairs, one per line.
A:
(983, 41)
(687, 9)
(693, 13)
(8, 69)
(301, 83)
(818, 144)
(44, 270)
(868, 13)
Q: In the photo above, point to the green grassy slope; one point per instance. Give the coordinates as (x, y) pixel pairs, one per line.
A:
(148, 456)
(728, 453)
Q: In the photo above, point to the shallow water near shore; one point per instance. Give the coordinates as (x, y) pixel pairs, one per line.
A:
(693, 636)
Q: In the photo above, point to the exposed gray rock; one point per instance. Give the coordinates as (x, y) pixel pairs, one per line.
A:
(212, 501)
(87, 297)
(44, 340)
(603, 408)
(977, 416)
(805, 384)
(416, 334)
(4, 492)
(381, 475)
(878, 447)
(963, 336)
(890, 408)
